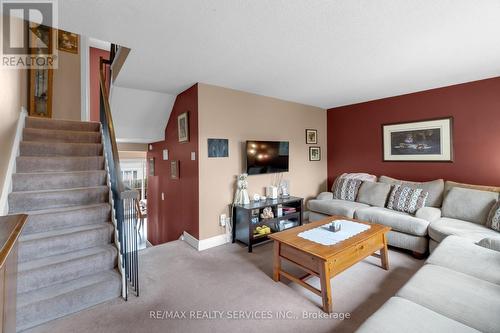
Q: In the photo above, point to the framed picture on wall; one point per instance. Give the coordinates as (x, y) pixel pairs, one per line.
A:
(419, 141)
(174, 170)
(67, 41)
(183, 127)
(218, 148)
(311, 136)
(314, 153)
(151, 166)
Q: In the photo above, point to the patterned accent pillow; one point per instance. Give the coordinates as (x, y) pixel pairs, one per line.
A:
(494, 217)
(346, 188)
(407, 199)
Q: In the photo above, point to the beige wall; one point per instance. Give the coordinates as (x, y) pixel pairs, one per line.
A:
(66, 95)
(13, 96)
(240, 116)
(129, 146)
(128, 150)
(127, 155)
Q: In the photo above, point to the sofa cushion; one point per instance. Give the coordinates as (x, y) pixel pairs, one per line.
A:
(435, 188)
(346, 188)
(491, 243)
(463, 255)
(428, 213)
(448, 185)
(468, 204)
(325, 196)
(494, 217)
(444, 227)
(373, 194)
(398, 221)
(407, 199)
(315, 216)
(401, 315)
(335, 207)
(418, 244)
(464, 298)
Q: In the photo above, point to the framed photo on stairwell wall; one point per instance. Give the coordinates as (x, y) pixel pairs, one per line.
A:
(183, 127)
(151, 166)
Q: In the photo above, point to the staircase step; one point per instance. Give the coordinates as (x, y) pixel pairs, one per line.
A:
(36, 200)
(39, 306)
(67, 125)
(55, 242)
(57, 180)
(69, 217)
(45, 272)
(33, 148)
(27, 164)
(48, 135)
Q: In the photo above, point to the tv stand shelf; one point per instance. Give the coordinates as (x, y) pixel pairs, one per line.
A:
(246, 218)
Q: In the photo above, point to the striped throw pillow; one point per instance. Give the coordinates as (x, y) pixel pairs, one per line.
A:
(346, 188)
(406, 199)
(494, 217)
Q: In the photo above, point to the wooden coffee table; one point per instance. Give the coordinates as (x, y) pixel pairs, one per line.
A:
(324, 261)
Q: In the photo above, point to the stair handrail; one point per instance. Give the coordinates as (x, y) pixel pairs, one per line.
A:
(122, 199)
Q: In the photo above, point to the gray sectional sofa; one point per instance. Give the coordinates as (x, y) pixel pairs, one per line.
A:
(457, 290)
(451, 209)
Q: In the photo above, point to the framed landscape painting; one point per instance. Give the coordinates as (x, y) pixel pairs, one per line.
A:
(419, 141)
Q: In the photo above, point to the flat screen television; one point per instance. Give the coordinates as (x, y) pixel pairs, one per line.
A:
(266, 157)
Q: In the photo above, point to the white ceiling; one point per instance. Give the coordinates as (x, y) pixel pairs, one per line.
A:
(139, 115)
(320, 52)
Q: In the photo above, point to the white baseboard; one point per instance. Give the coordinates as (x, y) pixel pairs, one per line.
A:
(11, 168)
(208, 243)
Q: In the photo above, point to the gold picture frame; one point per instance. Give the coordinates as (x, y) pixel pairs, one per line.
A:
(67, 41)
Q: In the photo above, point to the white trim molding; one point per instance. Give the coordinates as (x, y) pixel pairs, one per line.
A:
(208, 243)
(11, 168)
(85, 78)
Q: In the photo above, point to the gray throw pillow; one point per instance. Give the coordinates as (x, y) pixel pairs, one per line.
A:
(346, 188)
(490, 243)
(374, 194)
(434, 187)
(406, 199)
(494, 217)
(468, 204)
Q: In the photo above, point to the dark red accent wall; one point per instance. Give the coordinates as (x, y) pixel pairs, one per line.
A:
(94, 56)
(179, 211)
(355, 134)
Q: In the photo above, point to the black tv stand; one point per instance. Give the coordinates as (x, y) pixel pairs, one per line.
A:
(246, 218)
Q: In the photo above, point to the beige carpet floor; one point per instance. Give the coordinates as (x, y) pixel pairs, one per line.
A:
(175, 277)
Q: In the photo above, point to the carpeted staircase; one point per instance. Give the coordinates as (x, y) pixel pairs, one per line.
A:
(67, 261)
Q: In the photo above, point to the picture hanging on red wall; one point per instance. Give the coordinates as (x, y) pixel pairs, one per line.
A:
(183, 127)
(427, 140)
(174, 170)
(152, 166)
